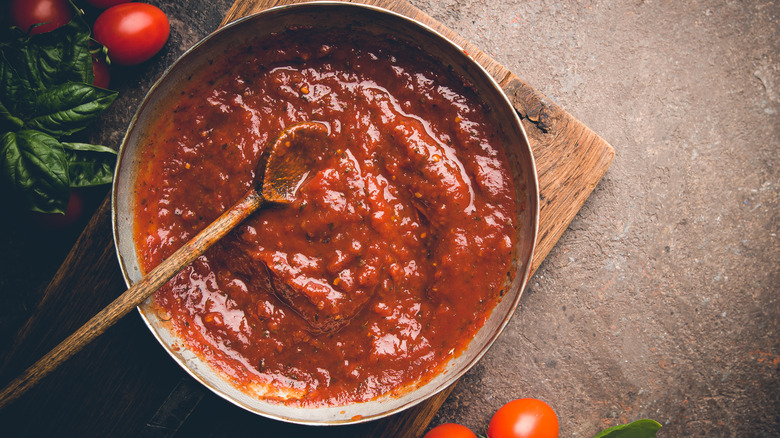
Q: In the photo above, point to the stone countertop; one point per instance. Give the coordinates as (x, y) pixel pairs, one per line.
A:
(661, 299)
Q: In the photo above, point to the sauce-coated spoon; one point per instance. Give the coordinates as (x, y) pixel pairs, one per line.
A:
(280, 172)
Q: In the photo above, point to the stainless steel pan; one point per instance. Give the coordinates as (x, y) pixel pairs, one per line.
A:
(331, 15)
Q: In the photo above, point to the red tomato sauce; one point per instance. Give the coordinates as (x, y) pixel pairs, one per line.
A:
(392, 256)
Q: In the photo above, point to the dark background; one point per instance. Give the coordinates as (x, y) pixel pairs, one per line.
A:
(661, 300)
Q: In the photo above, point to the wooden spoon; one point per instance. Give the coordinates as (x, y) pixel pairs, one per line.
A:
(282, 169)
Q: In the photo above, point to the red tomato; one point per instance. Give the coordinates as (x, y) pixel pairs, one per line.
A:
(102, 73)
(524, 418)
(54, 13)
(105, 4)
(450, 430)
(73, 213)
(132, 32)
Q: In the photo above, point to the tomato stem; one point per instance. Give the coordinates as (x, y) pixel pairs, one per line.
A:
(99, 51)
(79, 11)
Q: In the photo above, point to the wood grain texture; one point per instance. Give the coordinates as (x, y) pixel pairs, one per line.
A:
(92, 260)
(570, 161)
(134, 296)
(113, 385)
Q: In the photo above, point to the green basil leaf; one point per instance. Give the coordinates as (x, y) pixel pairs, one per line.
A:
(61, 55)
(15, 87)
(645, 428)
(89, 164)
(7, 121)
(31, 64)
(67, 108)
(52, 58)
(34, 169)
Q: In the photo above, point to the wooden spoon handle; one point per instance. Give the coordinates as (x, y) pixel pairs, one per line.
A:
(133, 296)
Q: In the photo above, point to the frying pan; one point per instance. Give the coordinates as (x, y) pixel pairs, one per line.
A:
(331, 16)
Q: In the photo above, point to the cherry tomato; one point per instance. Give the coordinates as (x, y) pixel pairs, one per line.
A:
(450, 430)
(132, 32)
(102, 73)
(105, 4)
(73, 213)
(54, 13)
(524, 418)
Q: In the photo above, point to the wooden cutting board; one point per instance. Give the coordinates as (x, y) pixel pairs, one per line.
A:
(118, 384)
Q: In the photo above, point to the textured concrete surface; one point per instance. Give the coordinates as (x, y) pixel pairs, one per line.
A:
(660, 301)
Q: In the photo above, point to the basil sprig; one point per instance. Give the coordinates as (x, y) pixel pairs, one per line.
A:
(645, 428)
(46, 95)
